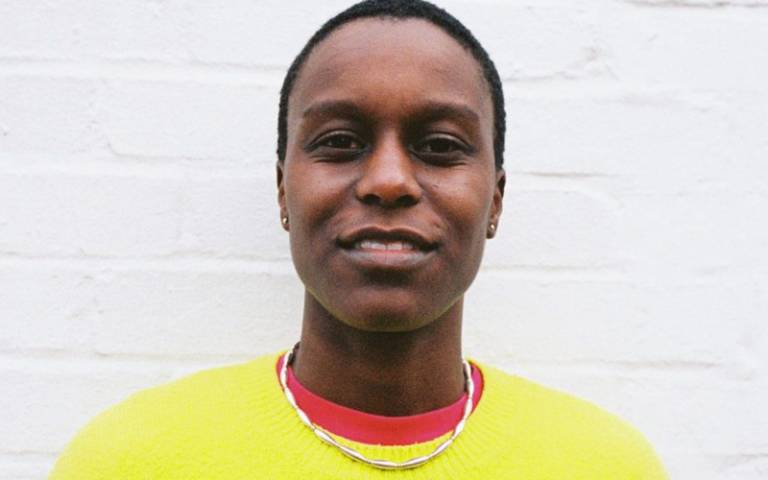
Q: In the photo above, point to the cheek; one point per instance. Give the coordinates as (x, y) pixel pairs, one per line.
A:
(467, 204)
(312, 196)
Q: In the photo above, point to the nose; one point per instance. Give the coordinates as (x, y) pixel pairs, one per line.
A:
(388, 177)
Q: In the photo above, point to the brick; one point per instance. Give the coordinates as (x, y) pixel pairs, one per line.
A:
(531, 41)
(694, 232)
(685, 47)
(746, 466)
(234, 216)
(192, 31)
(47, 116)
(172, 310)
(25, 466)
(190, 120)
(113, 213)
(194, 313)
(567, 320)
(213, 122)
(635, 134)
(81, 29)
(555, 228)
(94, 215)
(701, 3)
(60, 319)
(268, 33)
(758, 340)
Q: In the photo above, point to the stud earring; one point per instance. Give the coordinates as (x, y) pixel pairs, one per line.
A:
(491, 229)
(284, 220)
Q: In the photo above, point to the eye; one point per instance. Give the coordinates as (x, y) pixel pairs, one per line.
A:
(439, 145)
(441, 149)
(339, 141)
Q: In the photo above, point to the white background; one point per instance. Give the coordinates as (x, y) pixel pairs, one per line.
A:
(140, 238)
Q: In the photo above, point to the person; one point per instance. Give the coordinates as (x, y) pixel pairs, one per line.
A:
(390, 180)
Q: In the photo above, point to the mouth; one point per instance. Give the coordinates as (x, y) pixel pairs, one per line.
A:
(389, 249)
(384, 245)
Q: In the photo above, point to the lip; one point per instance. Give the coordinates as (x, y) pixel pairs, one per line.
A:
(376, 259)
(419, 240)
(387, 259)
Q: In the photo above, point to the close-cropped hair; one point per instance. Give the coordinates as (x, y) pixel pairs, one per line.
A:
(401, 9)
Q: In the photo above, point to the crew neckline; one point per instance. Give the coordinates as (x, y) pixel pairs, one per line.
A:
(375, 429)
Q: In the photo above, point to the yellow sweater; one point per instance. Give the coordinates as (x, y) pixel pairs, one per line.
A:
(234, 423)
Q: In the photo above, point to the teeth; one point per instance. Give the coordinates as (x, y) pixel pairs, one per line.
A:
(379, 245)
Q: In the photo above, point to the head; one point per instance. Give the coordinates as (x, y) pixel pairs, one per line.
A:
(402, 9)
(390, 149)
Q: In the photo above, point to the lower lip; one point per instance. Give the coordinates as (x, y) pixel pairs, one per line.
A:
(388, 259)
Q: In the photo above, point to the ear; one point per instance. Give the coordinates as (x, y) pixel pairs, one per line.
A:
(281, 194)
(496, 205)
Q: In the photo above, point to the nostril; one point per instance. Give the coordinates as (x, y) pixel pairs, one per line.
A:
(398, 202)
(370, 199)
(406, 201)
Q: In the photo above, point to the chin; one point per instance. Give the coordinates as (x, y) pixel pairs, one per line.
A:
(383, 309)
(385, 324)
(387, 315)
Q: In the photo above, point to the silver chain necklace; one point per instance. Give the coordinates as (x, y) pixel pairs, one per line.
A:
(354, 454)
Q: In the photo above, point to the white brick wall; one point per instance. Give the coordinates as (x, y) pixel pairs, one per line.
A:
(139, 235)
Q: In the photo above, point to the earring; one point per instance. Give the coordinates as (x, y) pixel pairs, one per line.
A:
(491, 229)
(284, 220)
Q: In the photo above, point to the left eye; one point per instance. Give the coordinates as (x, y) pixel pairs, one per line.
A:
(439, 145)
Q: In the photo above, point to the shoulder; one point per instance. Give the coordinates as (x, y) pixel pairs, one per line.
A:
(582, 434)
(146, 430)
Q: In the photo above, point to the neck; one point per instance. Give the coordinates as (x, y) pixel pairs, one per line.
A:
(384, 373)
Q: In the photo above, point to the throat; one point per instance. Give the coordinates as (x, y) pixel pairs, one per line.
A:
(389, 393)
(382, 373)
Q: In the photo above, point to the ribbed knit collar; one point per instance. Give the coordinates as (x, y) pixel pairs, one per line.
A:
(374, 429)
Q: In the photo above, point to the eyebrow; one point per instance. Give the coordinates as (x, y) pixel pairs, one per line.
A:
(431, 111)
(341, 108)
(427, 111)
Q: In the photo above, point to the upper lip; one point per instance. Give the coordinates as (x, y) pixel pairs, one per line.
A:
(402, 234)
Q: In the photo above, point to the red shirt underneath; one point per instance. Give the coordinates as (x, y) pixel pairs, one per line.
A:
(379, 429)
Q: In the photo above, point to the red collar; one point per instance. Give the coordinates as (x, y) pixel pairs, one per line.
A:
(379, 429)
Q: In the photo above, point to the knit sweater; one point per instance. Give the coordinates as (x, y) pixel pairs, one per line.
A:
(234, 423)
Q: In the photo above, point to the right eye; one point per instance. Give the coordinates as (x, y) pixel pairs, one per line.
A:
(340, 141)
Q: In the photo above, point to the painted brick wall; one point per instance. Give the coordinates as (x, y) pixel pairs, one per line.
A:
(139, 234)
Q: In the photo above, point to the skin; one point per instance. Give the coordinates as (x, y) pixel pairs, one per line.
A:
(390, 126)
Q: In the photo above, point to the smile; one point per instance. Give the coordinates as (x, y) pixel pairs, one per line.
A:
(384, 255)
(376, 248)
(376, 245)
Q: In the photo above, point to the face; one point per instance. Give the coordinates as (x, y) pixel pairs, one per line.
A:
(389, 181)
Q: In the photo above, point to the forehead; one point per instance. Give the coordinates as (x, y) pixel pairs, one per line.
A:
(399, 61)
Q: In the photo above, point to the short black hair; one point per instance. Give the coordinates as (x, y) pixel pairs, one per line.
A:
(400, 9)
